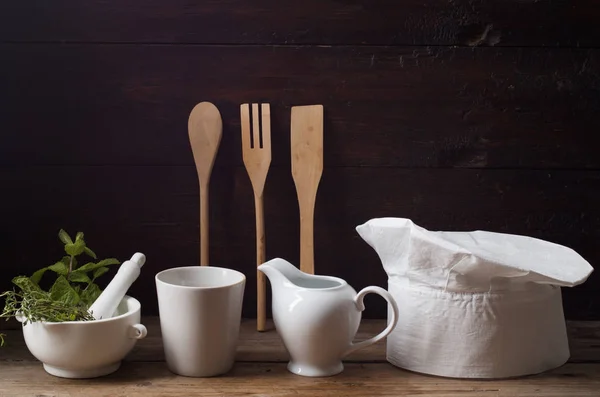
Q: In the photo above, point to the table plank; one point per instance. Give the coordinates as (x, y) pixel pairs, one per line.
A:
(409, 106)
(267, 347)
(272, 379)
(359, 22)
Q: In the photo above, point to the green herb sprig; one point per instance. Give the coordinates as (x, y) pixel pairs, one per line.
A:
(71, 294)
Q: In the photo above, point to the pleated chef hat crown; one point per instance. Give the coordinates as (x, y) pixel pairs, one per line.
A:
(470, 261)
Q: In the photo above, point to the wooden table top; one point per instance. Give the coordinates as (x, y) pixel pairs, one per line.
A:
(260, 370)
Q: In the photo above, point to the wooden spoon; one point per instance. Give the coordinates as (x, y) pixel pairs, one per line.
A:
(307, 167)
(205, 128)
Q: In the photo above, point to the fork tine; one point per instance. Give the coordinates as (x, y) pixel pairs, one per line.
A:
(266, 126)
(245, 120)
(255, 126)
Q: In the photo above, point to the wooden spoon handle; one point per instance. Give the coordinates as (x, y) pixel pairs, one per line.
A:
(204, 224)
(261, 292)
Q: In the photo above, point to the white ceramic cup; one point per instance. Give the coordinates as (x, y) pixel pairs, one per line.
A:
(200, 309)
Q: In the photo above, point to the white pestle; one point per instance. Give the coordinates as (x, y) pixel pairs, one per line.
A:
(108, 301)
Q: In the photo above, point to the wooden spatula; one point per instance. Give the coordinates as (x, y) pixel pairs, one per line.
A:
(205, 128)
(256, 150)
(307, 167)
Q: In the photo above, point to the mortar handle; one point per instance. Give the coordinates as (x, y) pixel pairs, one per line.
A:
(137, 331)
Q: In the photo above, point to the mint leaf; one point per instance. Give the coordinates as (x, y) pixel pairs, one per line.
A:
(90, 252)
(100, 271)
(93, 266)
(25, 284)
(79, 277)
(79, 236)
(62, 291)
(90, 294)
(76, 248)
(109, 261)
(88, 266)
(59, 268)
(37, 276)
(64, 237)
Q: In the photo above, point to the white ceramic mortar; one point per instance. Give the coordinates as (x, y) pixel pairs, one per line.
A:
(86, 349)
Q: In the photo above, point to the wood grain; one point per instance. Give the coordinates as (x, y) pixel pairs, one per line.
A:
(256, 150)
(205, 128)
(462, 115)
(260, 370)
(256, 346)
(272, 379)
(306, 136)
(386, 106)
(357, 22)
(153, 209)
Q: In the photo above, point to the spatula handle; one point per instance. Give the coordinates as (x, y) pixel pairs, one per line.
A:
(307, 258)
(261, 285)
(204, 224)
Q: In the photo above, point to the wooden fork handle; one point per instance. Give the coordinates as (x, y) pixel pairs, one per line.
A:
(261, 284)
(204, 224)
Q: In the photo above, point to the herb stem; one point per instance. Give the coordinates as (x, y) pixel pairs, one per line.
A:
(70, 266)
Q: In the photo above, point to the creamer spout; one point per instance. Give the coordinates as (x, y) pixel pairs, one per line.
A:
(280, 272)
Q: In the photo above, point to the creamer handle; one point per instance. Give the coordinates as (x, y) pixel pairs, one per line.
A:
(358, 300)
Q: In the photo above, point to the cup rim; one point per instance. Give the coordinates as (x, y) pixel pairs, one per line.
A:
(229, 285)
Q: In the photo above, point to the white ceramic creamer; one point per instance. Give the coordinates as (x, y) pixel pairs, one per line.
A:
(317, 317)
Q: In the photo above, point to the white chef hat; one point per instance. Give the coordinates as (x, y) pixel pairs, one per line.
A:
(474, 304)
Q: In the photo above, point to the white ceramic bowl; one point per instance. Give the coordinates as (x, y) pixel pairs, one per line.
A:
(86, 349)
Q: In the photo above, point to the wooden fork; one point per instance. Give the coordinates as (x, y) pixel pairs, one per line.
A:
(256, 149)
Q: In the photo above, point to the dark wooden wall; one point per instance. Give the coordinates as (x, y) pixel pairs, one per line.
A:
(459, 114)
